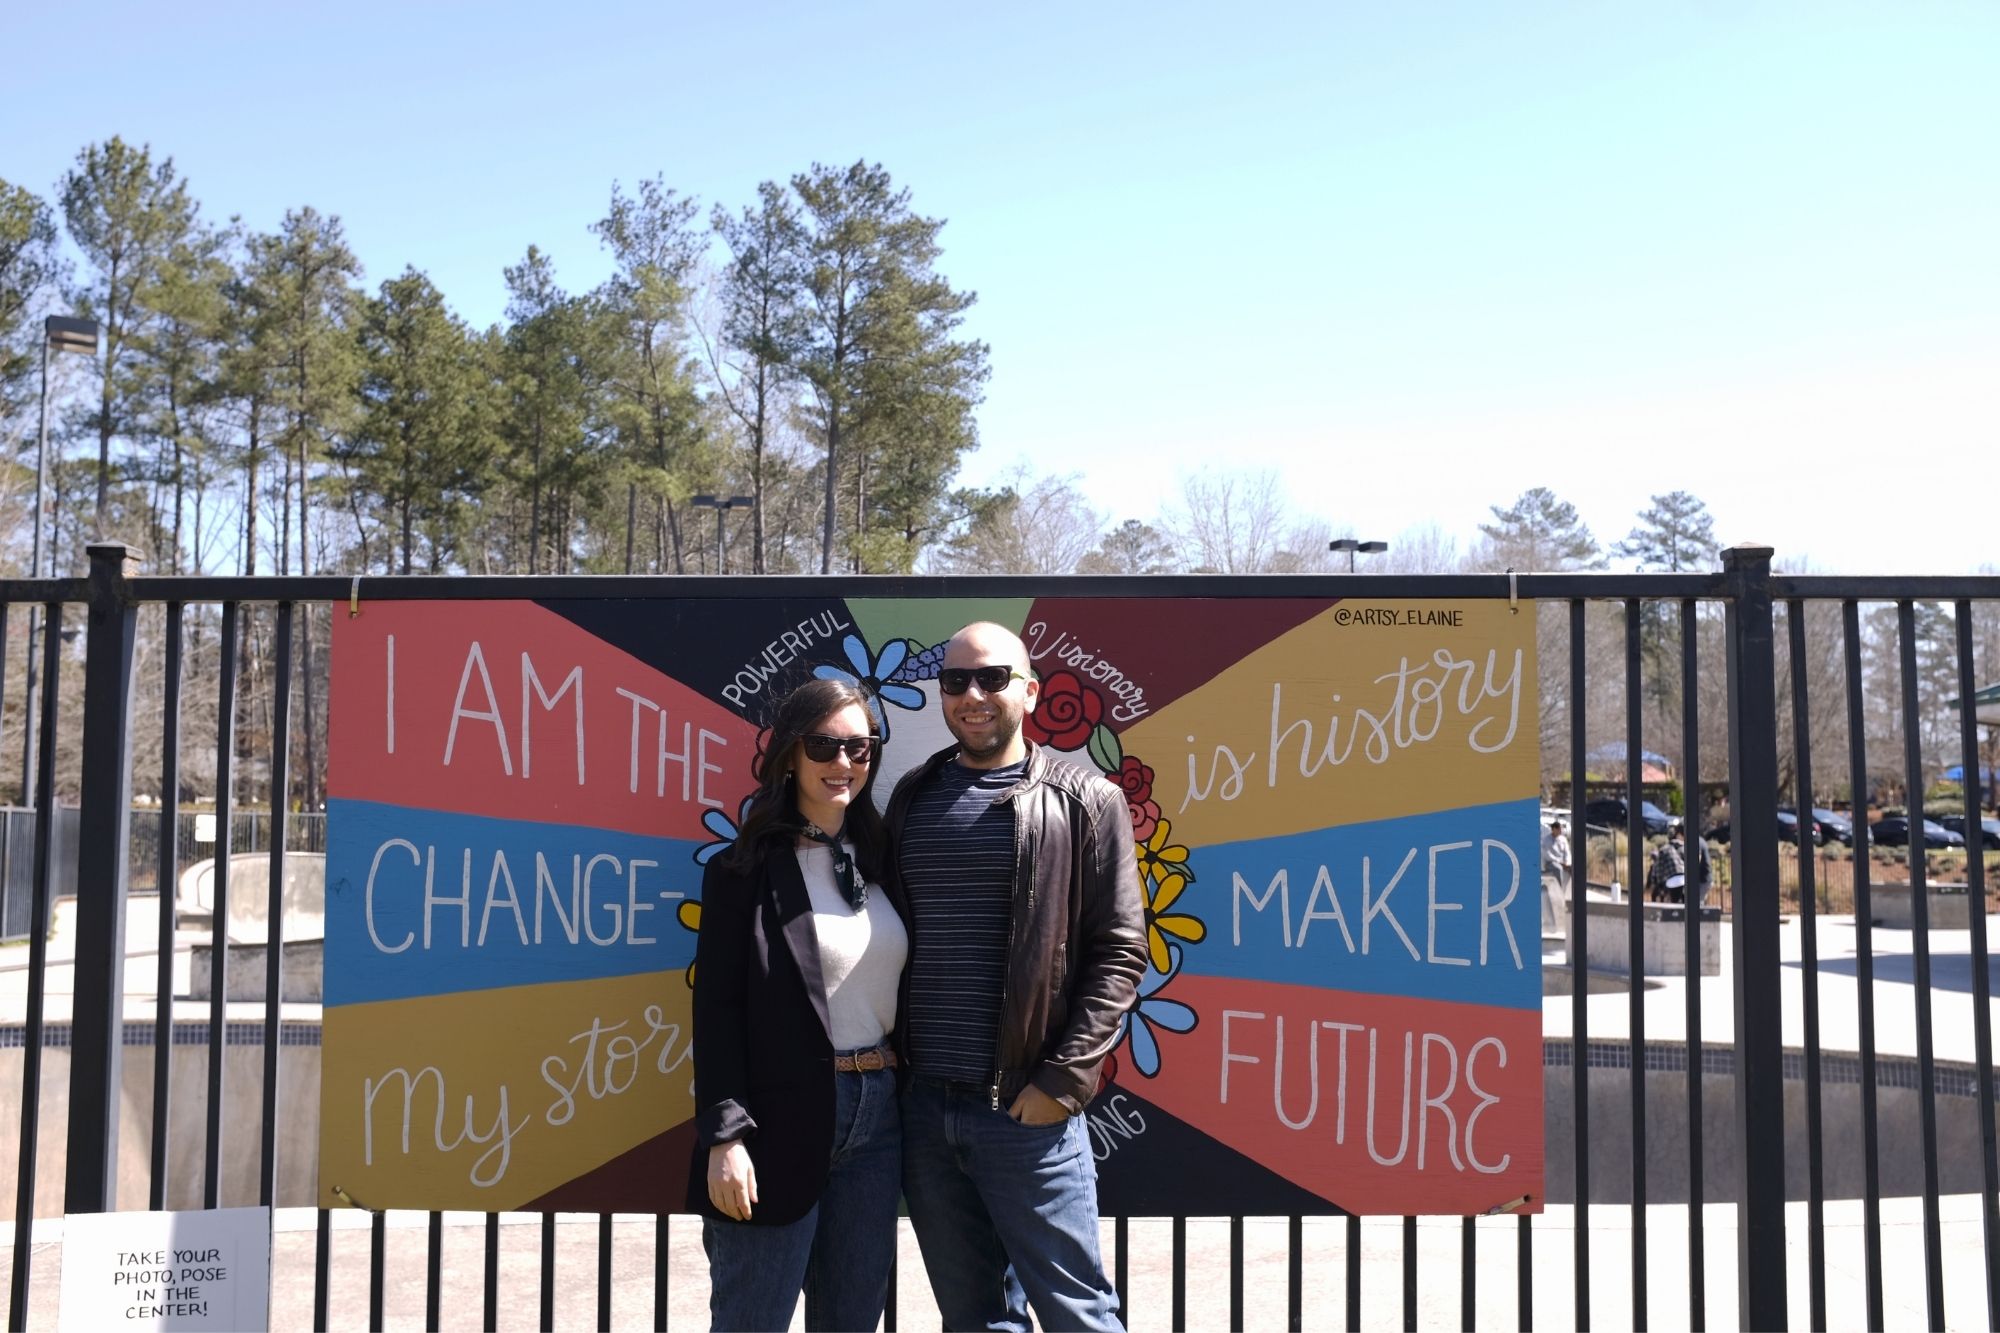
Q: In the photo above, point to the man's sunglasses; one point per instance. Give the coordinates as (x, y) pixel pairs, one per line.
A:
(822, 749)
(992, 679)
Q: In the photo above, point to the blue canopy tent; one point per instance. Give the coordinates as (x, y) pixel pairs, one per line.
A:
(1613, 753)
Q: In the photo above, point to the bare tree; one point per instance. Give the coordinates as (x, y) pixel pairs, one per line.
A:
(1425, 549)
(1228, 522)
(1044, 527)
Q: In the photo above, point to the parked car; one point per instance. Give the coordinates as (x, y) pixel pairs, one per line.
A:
(1830, 825)
(1788, 830)
(1609, 812)
(1834, 825)
(1894, 831)
(1989, 829)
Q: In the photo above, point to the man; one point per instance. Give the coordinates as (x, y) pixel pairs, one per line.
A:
(1666, 878)
(1026, 946)
(1555, 878)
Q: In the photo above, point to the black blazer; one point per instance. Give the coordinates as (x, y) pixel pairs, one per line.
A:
(763, 1056)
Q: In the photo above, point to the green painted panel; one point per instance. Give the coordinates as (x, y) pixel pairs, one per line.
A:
(931, 620)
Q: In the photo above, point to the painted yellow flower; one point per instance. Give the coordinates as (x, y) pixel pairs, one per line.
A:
(689, 915)
(1160, 924)
(1159, 859)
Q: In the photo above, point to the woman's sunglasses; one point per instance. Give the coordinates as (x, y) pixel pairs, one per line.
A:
(822, 749)
(992, 679)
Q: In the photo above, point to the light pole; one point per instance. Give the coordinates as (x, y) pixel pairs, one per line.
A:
(60, 333)
(1350, 545)
(719, 505)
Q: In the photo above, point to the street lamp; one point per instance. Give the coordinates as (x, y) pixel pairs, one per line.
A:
(60, 333)
(719, 505)
(1350, 545)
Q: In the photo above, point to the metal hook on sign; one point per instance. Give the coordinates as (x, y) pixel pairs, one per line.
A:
(350, 1200)
(1513, 593)
(354, 598)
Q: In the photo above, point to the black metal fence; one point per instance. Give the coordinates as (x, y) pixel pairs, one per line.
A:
(1756, 605)
(193, 839)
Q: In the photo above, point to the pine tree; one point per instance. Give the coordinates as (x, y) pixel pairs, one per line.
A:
(126, 215)
(1133, 547)
(181, 385)
(248, 381)
(31, 271)
(1675, 533)
(422, 440)
(1540, 531)
(549, 366)
(892, 387)
(651, 399)
(761, 336)
(303, 278)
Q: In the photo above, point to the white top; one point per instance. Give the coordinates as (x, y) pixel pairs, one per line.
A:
(860, 953)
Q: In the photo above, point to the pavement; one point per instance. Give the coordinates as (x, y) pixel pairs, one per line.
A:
(1664, 1006)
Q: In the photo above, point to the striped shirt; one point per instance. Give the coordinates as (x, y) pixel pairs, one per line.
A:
(957, 861)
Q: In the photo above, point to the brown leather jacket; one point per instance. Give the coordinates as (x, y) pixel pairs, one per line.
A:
(1079, 933)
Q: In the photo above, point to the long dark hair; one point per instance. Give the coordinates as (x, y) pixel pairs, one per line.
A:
(773, 820)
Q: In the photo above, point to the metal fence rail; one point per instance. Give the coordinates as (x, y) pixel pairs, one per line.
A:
(1751, 599)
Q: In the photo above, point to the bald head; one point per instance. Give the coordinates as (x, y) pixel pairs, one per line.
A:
(983, 641)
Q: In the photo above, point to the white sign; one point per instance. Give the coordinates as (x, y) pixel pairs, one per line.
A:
(204, 828)
(197, 1269)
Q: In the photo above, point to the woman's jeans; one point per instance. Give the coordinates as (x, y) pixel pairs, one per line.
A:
(839, 1252)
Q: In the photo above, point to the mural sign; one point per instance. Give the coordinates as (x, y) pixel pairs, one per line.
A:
(1334, 811)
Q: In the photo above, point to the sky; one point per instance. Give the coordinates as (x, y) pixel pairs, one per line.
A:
(1414, 259)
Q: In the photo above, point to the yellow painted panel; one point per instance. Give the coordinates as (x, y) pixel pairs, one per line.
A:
(1371, 710)
(510, 1093)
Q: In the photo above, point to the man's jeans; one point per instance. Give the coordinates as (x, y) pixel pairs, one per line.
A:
(1006, 1213)
(840, 1251)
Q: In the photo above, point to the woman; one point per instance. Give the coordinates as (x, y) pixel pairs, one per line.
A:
(799, 1145)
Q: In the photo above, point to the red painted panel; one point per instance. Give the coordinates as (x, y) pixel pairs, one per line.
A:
(1139, 654)
(508, 710)
(1405, 1105)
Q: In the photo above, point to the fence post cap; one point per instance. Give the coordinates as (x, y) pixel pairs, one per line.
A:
(1746, 553)
(110, 551)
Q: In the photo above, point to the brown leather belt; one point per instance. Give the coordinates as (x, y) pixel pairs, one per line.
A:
(866, 1062)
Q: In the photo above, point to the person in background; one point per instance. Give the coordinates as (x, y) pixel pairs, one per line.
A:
(1026, 948)
(1555, 877)
(798, 1157)
(1666, 878)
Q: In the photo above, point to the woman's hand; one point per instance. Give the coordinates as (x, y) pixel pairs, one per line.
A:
(732, 1180)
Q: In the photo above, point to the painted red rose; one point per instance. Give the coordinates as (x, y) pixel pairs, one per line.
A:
(1065, 715)
(1136, 778)
(1145, 818)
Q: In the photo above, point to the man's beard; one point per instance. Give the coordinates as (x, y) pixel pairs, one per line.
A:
(1005, 729)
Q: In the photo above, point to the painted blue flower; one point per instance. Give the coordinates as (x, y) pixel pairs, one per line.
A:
(1150, 1012)
(875, 676)
(724, 828)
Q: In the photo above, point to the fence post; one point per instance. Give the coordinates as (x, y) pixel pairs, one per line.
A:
(1753, 851)
(98, 1018)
